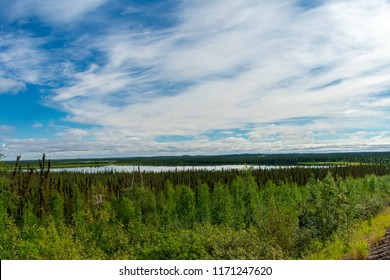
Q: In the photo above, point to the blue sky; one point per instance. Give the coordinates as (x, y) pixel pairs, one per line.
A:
(102, 78)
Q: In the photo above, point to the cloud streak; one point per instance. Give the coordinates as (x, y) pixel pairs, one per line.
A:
(249, 65)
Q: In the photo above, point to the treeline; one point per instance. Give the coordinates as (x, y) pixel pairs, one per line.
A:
(259, 159)
(46, 215)
(251, 159)
(156, 180)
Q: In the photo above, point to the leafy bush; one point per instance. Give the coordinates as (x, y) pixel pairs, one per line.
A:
(104, 216)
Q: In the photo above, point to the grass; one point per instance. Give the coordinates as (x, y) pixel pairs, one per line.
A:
(367, 234)
(356, 244)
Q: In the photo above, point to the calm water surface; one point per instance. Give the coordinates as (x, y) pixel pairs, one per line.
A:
(130, 168)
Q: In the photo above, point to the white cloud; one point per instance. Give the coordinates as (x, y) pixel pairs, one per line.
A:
(73, 133)
(37, 125)
(10, 85)
(6, 129)
(232, 64)
(22, 61)
(240, 68)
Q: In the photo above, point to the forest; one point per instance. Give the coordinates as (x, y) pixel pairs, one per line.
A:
(288, 213)
(250, 159)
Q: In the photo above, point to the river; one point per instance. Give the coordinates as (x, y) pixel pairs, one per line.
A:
(147, 168)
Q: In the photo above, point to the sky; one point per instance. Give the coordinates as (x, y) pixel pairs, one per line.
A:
(122, 78)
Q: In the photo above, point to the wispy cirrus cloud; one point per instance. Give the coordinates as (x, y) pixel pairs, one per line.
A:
(10, 85)
(278, 75)
(227, 53)
(20, 61)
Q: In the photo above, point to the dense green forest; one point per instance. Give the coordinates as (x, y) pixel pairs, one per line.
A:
(250, 159)
(284, 213)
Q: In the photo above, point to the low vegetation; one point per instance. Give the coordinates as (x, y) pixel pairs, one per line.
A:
(187, 215)
(355, 244)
